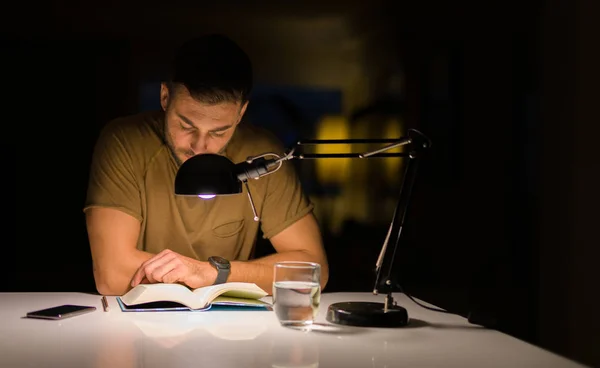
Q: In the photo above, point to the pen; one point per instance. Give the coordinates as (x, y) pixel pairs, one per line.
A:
(105, 304)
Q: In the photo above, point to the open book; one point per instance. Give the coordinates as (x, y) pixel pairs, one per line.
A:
(146, 297)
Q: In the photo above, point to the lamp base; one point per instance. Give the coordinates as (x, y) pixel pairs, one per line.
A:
(367, 314)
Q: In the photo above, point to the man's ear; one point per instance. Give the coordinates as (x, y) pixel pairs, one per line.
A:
(243, 110)
(164, 96)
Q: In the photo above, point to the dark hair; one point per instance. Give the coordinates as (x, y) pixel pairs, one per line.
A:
(213, 68)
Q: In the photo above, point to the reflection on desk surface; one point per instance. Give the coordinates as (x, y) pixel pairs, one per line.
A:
(227, 344)
(159, 329)
(248, 339)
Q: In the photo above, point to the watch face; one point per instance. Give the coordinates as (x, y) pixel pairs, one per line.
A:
(220, 261)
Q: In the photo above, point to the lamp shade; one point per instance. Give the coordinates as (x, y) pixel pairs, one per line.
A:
(207, 175)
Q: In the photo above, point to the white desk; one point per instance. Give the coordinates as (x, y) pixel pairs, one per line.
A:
(247, 339)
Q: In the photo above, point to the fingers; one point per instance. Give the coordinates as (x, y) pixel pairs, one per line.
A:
(167, 272)
(152, 270)
(174, 275)
(145, 270)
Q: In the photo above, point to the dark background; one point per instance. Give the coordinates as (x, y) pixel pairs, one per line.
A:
(503, 218)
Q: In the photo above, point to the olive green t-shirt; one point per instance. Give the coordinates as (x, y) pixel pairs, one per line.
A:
(134, 171)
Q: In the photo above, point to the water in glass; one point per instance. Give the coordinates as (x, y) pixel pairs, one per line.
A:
(296, 303)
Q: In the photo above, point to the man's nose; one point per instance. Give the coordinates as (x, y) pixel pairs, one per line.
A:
(200, 145)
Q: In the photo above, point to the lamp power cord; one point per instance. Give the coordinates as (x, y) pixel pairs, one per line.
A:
(478, 318)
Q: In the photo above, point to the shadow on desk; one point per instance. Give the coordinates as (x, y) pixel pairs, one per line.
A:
(418, 323)
(326, 328)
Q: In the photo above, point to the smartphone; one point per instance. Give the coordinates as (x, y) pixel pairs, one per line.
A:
(61, 311)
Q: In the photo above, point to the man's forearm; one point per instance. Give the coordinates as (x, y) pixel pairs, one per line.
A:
(114, 278)
(260, 271)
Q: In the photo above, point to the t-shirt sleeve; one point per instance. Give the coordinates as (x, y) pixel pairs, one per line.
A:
(285, 201)
(112, 178)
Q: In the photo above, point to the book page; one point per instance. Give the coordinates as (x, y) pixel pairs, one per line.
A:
(146, 293)
(231, 289)
(226, 300)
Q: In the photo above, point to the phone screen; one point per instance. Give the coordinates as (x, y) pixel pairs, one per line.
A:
(61, 311)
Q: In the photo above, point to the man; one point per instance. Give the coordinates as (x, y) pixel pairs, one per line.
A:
(140, 232)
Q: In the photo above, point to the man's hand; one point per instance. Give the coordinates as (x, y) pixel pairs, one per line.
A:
(171, 267)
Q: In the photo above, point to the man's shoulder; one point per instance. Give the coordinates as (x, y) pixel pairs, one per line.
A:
(253, 140)
(139, 126)
(138, 135)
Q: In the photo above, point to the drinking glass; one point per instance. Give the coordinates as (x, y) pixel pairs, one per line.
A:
(296, 292)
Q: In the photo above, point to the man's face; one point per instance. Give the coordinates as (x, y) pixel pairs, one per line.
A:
(192, 127)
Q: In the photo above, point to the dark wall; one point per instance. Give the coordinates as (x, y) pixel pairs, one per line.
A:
(65, 90)
(569, 182)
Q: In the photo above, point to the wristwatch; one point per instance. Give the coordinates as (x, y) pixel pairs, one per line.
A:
(223, 268)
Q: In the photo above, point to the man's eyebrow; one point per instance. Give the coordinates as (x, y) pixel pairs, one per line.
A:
(186, 120)
(190, 123)
(220, 129)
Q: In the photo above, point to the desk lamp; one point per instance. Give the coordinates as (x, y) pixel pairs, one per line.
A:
(208, 175)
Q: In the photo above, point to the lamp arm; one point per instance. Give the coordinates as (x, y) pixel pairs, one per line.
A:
(384, 267)
(412, 137)
(418, 142)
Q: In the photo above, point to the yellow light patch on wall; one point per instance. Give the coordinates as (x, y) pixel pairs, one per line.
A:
(333, 170)
(392, 165)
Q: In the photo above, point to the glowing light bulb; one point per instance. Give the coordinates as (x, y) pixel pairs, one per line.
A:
(206, 196)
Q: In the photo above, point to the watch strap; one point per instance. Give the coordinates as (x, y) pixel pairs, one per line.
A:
(222, 275)
(223, 268)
